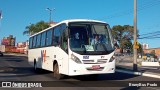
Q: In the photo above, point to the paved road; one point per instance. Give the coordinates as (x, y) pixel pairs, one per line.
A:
(16, 68)
(127, 62)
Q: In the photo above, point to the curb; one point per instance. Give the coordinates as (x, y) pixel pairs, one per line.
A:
(153, 75)
(15, 54)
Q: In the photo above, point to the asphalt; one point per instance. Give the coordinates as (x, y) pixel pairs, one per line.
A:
(155, 73)
(125, 65)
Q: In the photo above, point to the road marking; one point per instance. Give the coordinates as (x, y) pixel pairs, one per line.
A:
(140, 73)
(152, 88)
(7, 74)
(150, 67)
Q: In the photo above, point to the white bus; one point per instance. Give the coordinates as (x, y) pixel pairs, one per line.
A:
(73, 47)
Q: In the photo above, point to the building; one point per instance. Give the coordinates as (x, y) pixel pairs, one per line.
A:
(52, 23)
(8, 41)
(9, 45)
(155, 50)
(22, 47)
(2, 48)
(145, 46)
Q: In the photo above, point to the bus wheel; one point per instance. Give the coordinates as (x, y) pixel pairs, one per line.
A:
(56, 73)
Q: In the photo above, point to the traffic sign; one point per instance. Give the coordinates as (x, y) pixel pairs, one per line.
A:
(136, 45)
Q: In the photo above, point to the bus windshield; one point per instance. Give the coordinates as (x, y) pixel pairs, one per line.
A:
(90, 38)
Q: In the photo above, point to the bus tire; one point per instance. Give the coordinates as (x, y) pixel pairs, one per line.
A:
(56, 73)
(1, 54)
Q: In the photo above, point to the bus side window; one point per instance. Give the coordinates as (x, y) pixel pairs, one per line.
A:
(34, 41)
(38, 40)
(64, 38)
(56, 36)
(30, 42)
(43, 39)
(49, 38)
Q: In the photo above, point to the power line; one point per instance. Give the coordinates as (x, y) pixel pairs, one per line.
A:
(152, 33)
(149, 38)
(156, 2)
(130, 11)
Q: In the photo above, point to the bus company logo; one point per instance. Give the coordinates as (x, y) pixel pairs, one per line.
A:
(85, 57)
(102, 56)
(43, 54)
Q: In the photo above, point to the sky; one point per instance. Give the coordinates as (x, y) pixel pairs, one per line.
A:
(17, 14)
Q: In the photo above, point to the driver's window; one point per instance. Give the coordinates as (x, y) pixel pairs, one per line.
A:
(56, 36)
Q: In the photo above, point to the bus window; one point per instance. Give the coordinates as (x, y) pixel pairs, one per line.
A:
(82, 36)
(64, 38)
(38, 40)
(49, 38)
(30, 42)
(56, 36)
(34, 41)
(43, 40)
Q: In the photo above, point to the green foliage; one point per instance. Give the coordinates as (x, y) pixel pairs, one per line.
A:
(140, 49)
(124, 35)
(34, 28)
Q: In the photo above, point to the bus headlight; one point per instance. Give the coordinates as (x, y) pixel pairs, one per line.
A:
(112, 58)
(76, 59)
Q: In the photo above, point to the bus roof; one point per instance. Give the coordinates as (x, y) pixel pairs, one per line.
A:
(81, 20)
(68, 21)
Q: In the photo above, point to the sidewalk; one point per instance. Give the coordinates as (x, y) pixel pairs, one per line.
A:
(125, 65)
(16, 54)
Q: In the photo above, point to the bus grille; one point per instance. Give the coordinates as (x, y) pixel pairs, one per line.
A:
(99, 61)
(91, 69)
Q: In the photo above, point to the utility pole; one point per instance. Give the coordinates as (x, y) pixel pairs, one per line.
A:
(0, 18)
(50, 15)
(135, 36)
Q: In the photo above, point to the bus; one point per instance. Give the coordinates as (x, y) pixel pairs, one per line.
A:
(73, 47)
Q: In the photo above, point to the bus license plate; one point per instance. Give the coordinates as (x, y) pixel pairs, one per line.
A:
(96, 67)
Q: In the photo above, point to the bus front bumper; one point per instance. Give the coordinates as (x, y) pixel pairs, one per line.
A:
(86, 69)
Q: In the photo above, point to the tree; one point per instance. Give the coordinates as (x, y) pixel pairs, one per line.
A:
(34, 28)
(140, 49)
(124, 35)
(153, 53)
